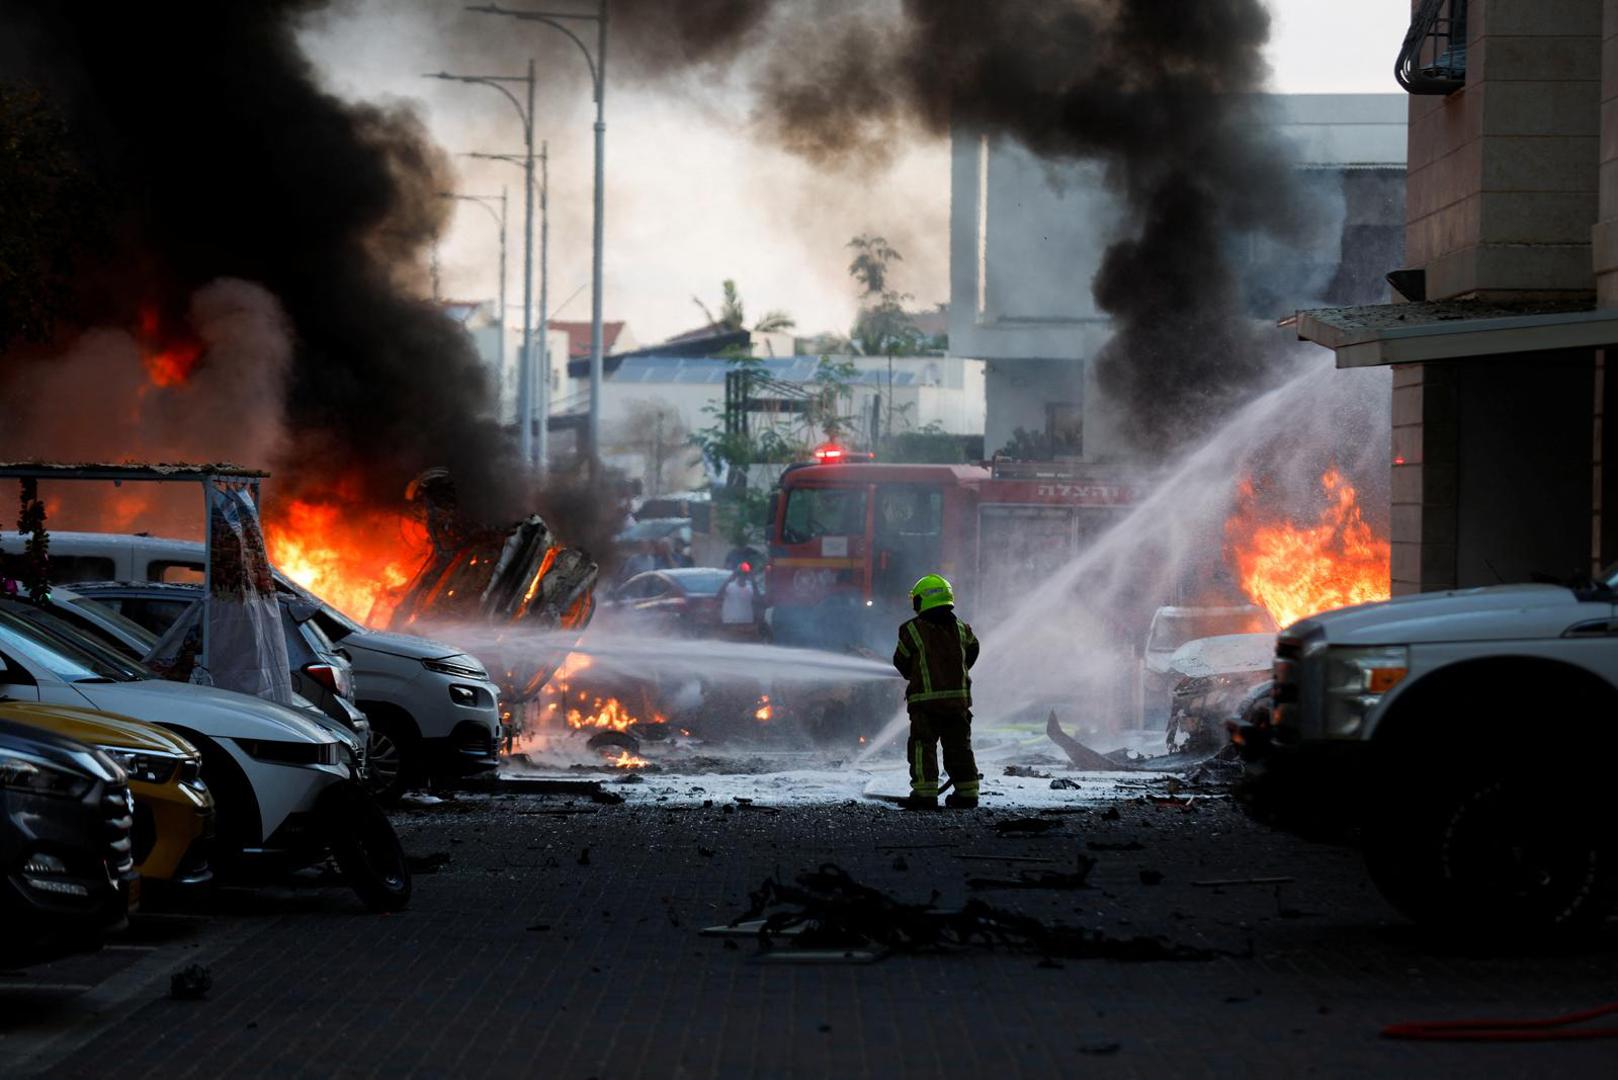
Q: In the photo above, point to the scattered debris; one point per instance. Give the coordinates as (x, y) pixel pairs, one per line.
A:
(838, 919)
(1005, 858)
(1026, 771)
(191, 983)
(1100, 1048)
(1040, 879)
(584, 789)
(1112, 814)
(1220, 883)
(1064, 783)
(1080, 755)
(608, 737)
(1027, 825)
(632, 778)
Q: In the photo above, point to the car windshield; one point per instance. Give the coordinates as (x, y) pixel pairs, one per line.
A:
(699, 581)
(93, 612)
(817, 512)
(50, 642)
(1169, 632)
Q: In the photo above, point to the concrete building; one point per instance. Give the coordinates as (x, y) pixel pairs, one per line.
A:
(1511, 278)
(1027, 236)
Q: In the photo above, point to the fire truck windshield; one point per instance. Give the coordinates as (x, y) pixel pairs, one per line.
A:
(816, 512)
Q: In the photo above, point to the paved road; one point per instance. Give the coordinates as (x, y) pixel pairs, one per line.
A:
(523, 955)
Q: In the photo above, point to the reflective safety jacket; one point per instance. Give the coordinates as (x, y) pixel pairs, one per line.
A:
(935, 652)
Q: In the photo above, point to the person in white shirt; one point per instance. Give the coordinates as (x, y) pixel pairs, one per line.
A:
(738, 599)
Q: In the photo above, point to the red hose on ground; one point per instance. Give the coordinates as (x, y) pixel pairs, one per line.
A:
(1550, 1029)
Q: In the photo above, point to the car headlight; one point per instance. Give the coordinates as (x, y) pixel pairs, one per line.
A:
(148, 768)
(1356, 680)
(461, 667)
(291, 753)
(21, 772)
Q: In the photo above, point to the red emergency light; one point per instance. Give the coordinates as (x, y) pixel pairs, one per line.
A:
(832, 454)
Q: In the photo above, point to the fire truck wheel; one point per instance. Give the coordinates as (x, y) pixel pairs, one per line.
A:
(394, 758)
(366, 848)
(1495, 852)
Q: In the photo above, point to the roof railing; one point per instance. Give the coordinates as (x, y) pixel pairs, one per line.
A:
(1433, 57)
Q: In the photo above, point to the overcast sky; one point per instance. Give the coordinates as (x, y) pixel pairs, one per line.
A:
(692, 198)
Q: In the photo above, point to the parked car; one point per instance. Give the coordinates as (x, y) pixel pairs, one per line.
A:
(106, 625)
(174, 811)
(66, 872)
(93, 556)
(320, 673)
(1469, 737)
(434, 711)
(683, 600)
(284, 783)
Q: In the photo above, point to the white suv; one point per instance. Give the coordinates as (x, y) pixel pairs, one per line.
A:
(1468, 737)
(434, 711)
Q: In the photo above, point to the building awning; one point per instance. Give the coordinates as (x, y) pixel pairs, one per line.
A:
(1380, 334)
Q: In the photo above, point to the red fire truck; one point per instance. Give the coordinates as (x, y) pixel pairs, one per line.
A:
(848, 539)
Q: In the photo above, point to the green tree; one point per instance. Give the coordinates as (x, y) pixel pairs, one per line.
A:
(882, 327)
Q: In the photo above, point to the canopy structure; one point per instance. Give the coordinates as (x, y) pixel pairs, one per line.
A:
(235, 640)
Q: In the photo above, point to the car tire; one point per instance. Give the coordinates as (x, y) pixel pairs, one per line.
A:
(394, 759)
(366, 848)
(1493, 853)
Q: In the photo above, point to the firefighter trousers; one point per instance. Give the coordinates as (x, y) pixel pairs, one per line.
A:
(953, 728)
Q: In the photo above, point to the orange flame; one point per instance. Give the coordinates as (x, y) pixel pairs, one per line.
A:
(625, 760)
(167, 363)
(1294, 571)
(764, 711)
(355, 558)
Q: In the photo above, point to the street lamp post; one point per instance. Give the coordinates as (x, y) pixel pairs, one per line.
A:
(487, 202)
(541, 395)
(525, 380)
(598, 77)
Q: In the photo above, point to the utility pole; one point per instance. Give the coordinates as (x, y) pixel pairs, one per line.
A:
(487, 201)
(525, 363)
(597, 62)
(542, 449)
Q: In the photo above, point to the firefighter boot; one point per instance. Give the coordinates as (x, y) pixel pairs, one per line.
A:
(961, 802)
(923, 802)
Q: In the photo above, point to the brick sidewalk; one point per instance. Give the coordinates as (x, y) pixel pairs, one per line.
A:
(520, 958)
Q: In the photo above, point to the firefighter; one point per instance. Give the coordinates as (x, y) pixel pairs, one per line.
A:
(934, 654)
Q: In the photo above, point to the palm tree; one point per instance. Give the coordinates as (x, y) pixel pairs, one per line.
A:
(733, 314)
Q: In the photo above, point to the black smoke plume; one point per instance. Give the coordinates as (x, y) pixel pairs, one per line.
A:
(215, 154)
(1159, 91)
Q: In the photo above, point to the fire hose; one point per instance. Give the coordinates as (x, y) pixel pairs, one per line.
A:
(1547, 1029)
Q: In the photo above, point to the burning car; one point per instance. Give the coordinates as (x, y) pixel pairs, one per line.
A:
(1172, 628)
(1214, 678)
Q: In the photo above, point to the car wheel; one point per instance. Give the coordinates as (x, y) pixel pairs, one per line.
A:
(366, 848)
(1489, 851)
(393, 759)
